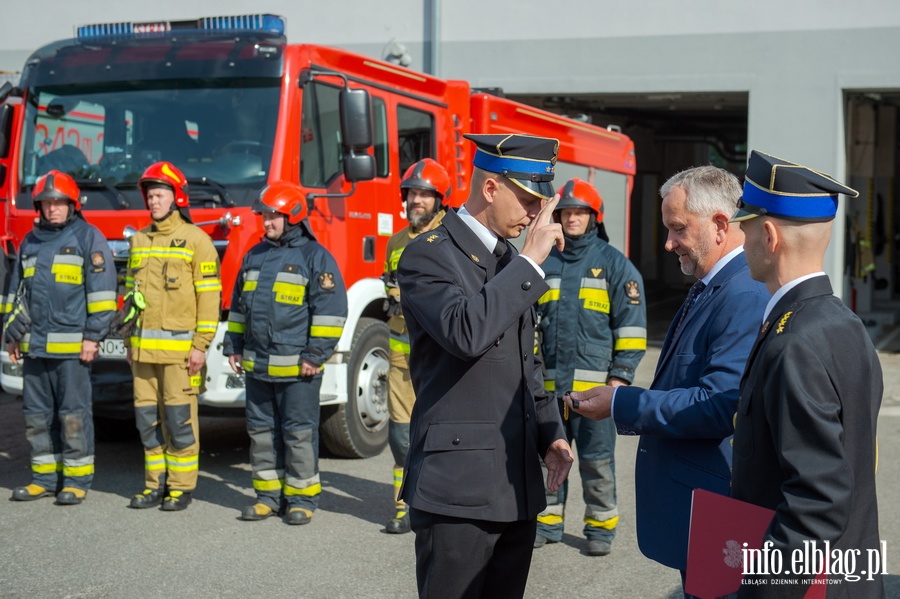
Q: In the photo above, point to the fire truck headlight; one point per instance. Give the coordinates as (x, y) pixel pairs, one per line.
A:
(234, 381)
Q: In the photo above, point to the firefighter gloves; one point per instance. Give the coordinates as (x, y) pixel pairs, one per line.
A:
(18, 324)
(126, 317)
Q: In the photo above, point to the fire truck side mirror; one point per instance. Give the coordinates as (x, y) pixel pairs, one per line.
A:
(356, 132)
(356, 119)
(6, 122)
(359, 166)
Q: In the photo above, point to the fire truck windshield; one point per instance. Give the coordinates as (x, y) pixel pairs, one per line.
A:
(218, 131)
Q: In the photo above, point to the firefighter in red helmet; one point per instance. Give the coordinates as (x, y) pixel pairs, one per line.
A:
(423, 193)
(598, 339)
(173, 280)
(63, 296)
(287, 316)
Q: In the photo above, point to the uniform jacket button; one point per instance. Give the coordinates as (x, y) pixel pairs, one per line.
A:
(456, 441)
(526, 285)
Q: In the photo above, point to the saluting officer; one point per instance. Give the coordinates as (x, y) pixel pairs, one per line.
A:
(63, 296)
(174, 268)
(482, 420)
(287, 315)
(804, 436)
(423, 190)
(593, 330)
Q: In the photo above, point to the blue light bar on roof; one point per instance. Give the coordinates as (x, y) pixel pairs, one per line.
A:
(103, 30)
(271, 23)
(261, 22)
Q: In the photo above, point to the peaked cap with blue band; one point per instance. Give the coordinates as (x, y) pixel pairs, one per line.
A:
(526, 160)
(776, 187)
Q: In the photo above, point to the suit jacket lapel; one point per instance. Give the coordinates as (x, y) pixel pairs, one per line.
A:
(468, 242)
(699, 307)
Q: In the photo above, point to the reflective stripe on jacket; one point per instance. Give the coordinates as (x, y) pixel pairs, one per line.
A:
(593, 320)
(175, 265)
(70, 287)
(289, 305)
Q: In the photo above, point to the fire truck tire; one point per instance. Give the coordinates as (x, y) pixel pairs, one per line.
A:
(358, 428)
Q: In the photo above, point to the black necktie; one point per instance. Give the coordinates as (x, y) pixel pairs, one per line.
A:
(696, 289)
(501, 253)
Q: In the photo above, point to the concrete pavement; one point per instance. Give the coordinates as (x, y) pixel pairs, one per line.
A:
(103, 549)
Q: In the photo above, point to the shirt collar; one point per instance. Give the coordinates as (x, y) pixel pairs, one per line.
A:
(782, 291)
(484, 234)
(721, 264)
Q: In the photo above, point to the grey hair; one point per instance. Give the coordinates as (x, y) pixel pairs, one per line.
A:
(709, 189)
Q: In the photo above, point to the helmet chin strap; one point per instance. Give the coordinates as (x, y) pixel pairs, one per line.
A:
(172, 209)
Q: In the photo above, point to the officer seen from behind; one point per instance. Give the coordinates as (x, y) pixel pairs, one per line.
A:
(423, 189)
(287, 315)
(62, 297)
(593, 331)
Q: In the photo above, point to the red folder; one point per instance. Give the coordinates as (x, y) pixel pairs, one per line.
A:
(720, 526)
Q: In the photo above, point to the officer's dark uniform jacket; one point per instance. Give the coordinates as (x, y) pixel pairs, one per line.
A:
(396, 244)
(805, 430)
(69, 283)
(289, 305)
(481, 416)
(592, 320)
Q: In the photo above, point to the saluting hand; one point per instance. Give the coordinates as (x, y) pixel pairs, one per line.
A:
(544, 234)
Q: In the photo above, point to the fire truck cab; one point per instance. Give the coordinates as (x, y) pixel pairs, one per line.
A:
(235, 106)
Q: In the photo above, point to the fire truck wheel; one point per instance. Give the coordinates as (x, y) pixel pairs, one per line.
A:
(358, 428)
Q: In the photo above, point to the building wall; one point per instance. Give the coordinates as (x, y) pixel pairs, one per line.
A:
(795, 59)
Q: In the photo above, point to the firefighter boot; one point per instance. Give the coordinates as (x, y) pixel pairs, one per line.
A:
(598, 547)
(176, 501)
(399, 524)
(30, 493)
(146, 498)
(257, 511)
(298, 515)
(70, 496)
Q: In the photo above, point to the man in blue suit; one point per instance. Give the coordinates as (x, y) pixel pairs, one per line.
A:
(685, 418)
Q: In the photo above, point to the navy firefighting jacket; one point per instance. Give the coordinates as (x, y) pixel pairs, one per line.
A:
(68, 285)
(593, 320)
(289, 305)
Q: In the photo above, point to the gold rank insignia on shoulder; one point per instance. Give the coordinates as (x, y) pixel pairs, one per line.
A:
(178, 243)
(782, 322)
(326, 280)
(431, 238)
(596, 272)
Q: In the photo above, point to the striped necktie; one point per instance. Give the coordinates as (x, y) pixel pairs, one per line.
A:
(696, 289)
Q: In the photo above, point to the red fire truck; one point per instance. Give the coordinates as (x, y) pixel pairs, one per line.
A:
(235, 106)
